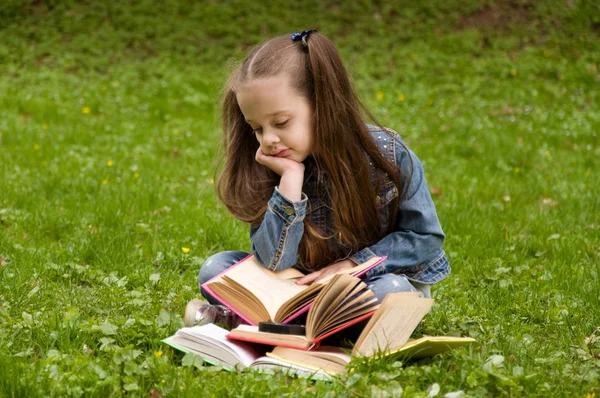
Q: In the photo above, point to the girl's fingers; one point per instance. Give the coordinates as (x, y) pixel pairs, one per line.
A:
(306, 279)
(325, 275)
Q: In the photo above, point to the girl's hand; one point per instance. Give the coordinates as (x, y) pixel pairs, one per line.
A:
(279, 165)
(325, 272)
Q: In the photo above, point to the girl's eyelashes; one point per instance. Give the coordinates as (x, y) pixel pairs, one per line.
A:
(279, 125)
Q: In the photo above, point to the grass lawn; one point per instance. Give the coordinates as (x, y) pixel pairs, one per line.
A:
(109, 132)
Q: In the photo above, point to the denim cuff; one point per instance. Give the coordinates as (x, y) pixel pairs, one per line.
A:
(286, 209)
(365, 255)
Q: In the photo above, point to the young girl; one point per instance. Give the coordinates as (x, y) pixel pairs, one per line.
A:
(321, 190)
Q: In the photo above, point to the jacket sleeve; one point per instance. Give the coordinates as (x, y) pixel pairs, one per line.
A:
(275, 242)
(418, 236)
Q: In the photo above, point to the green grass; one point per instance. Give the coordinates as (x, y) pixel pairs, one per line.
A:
(504, 116)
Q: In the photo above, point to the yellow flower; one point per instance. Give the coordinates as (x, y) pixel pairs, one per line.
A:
(105, 181)
(86, 110)
(136, 175)
(36, 147)
(212, 181)
(176, 131)
(379, 95)
(186, 250)
(513, 72)
(115, 83)
(109, 163)
(401, 97)
(158, 354)
(45, 126)
(517, 169)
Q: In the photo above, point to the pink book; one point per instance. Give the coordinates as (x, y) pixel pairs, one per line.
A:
(273, 296)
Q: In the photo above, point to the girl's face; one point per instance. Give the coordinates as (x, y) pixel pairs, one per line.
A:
(279, 116)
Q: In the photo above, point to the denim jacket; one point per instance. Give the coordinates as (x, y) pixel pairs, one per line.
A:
(413, 249)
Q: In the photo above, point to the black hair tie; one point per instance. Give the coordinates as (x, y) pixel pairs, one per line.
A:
(303, 36)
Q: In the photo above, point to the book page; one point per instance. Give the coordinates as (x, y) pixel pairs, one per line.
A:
(394, 326)
(329, 363)
(387, 302)
(213, 336)
(272, 365)
(327, 300)
(428, 346)
(252, 334)
(271, 291)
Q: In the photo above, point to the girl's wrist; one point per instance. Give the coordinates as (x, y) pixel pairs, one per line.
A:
(290, 184)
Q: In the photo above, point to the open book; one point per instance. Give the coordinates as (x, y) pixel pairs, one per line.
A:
(257, 294)
(209, 342)
(342, 302)
(388, 332)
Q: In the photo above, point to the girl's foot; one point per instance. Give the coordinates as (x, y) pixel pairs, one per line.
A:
(199, 312)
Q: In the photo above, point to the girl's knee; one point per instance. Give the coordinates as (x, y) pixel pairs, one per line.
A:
(218, 263)
(389, 283)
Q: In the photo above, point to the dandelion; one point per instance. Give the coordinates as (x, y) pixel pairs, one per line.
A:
(379, 95)
(185, 250)
(136, 175)
(513, 72)
(105, 181)
(36, 147)
(86, 110)
(45, 126)
(401, 97)
(176, 131)
(115, 83)
(109, 163)
(212, 181)
(517, 169)
(158, 353)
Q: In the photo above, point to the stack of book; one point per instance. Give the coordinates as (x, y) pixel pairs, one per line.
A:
(259, 295)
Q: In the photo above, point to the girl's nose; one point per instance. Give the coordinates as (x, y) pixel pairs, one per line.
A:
(269, 138)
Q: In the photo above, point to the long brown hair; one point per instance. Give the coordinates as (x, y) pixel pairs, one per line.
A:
(342, 148)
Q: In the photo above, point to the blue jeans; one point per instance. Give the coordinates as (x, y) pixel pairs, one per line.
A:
(380, 285)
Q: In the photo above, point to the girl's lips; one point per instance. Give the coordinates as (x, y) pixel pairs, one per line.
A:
(282, 153)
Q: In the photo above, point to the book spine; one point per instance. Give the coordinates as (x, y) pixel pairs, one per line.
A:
(301, 311)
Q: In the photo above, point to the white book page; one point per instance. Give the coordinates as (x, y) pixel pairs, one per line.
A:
(247, 353)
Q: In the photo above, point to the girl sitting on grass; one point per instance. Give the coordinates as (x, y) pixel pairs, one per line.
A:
(321, 190)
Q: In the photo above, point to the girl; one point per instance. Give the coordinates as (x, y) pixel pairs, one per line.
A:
(321, 190)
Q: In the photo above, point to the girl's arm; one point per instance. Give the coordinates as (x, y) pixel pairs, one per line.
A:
(275, 242)
(418, 236)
